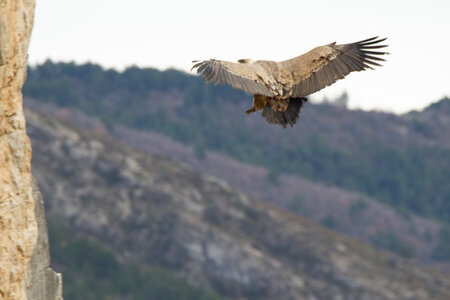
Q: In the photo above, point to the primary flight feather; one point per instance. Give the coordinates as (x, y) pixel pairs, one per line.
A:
(280, 88)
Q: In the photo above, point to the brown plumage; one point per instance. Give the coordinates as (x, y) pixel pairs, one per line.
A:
(280, 88)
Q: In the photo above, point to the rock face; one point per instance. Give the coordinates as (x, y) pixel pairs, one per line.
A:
(24, 260)
(151, 210)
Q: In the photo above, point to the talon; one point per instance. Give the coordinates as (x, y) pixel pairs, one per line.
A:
(251, 110)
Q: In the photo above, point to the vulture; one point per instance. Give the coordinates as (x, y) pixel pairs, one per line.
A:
(279, 89)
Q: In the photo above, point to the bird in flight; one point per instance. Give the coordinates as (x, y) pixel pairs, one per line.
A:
(279, 89)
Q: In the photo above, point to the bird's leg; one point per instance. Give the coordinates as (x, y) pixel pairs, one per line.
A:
(251, 110)
(259, 102)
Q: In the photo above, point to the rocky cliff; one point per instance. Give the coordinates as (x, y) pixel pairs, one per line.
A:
(24, 260)
(151, 210)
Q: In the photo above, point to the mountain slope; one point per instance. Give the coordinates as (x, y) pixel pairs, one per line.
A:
(354, 214)
(151, 210)
(402, 161)
(92, 272)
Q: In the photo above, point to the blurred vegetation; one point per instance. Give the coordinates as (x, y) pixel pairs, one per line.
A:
(329, 221)
(357, 208)
(410, 178)
(428, 236)
(273, 176)
(442, 250)
(390, 241)
(93, 272)
(296, 205)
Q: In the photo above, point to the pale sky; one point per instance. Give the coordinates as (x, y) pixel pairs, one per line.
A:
(169, 33)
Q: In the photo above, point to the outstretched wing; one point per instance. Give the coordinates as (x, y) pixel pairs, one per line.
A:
(240, 76)
(324, 65)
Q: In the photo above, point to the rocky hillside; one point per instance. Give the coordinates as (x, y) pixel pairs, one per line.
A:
(153, 211)
(351, 213)
(401, 161)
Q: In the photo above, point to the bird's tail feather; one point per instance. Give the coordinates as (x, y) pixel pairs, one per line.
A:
(290, 116)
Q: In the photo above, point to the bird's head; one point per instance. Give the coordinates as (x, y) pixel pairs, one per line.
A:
(245, 61)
